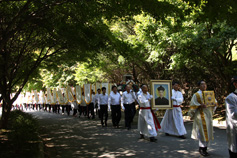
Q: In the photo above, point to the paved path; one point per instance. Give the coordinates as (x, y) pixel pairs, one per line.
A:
(70, 137)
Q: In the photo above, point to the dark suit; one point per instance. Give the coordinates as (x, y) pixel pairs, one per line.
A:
(161, 101)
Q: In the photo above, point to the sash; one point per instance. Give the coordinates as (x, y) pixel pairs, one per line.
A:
(202, 117)
(87, 93)
(156, 122)
(78, 94)
(69, 94)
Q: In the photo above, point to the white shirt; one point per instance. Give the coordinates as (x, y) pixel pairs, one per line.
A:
(128, 98)
(177, 97)
(114, 99)
(93, 98)
(103, 99)
(96, 98)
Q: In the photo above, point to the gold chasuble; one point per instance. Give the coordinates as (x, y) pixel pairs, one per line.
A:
(202, 117)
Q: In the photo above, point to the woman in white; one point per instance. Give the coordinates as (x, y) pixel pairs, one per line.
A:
(172, 123)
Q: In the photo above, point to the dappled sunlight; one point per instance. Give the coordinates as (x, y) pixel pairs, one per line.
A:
(68, 136)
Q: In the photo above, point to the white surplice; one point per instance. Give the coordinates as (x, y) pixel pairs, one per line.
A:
(146, 124)
(231, 121)
(172, 123)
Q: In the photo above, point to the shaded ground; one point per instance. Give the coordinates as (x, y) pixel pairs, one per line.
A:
(70, 137)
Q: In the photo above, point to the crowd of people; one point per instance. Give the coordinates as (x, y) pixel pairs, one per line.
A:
(148, 125)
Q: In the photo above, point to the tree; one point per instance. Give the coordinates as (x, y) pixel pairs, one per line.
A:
(38, 33)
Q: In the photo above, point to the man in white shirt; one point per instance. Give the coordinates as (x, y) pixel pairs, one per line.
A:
(231, 120)
(97, 112)
(128, 100)
(103, 107)
(172, 122)
(115, 104)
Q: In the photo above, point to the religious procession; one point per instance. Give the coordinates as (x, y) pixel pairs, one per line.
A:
(97, 100)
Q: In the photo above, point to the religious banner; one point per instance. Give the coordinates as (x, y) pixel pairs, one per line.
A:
(107, 86)
(69, 94)
(36, 97)
(87, 93)
(54, 97)
(209, 98)
(60, 97)
(97, 86)
(27, 97)
(162, 92)
(78, 94)
(49, 96)
(42, 98)
(93, 87)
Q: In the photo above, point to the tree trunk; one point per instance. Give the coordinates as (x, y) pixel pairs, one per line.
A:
(6, 109)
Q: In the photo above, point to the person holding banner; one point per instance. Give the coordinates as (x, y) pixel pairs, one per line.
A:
(128, 102)
(82, 106)
(103, 107)
(231, 120)
(91, 106)
(64, 104)
(172, 122)
(201, 114)
(148, 124)
(74, 105)
(115, 104)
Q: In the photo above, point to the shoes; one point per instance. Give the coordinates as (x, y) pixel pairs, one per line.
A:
(167, 134)
(153, 139)
(182, 137)
(142, 136)
(203, 151)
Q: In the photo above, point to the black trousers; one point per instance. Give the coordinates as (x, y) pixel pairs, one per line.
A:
(116, 114)
(91, 110)
(82, 110)
(104, 112)
(133, 110)
(128, 115)
(63, 108)
(68, 109)
(57, 106)
(232, 154)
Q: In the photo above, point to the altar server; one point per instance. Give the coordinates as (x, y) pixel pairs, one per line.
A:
(128, 102)
(231, 120)
(148, 124)
(202, 119)
(103, 107)
(115, 104)
(172, 122)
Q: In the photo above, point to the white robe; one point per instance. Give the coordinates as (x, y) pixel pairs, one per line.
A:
(172, 123)
(146, 124)
(231, 121)
(198, 131)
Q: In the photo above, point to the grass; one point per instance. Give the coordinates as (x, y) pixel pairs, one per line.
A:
(21, 138)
